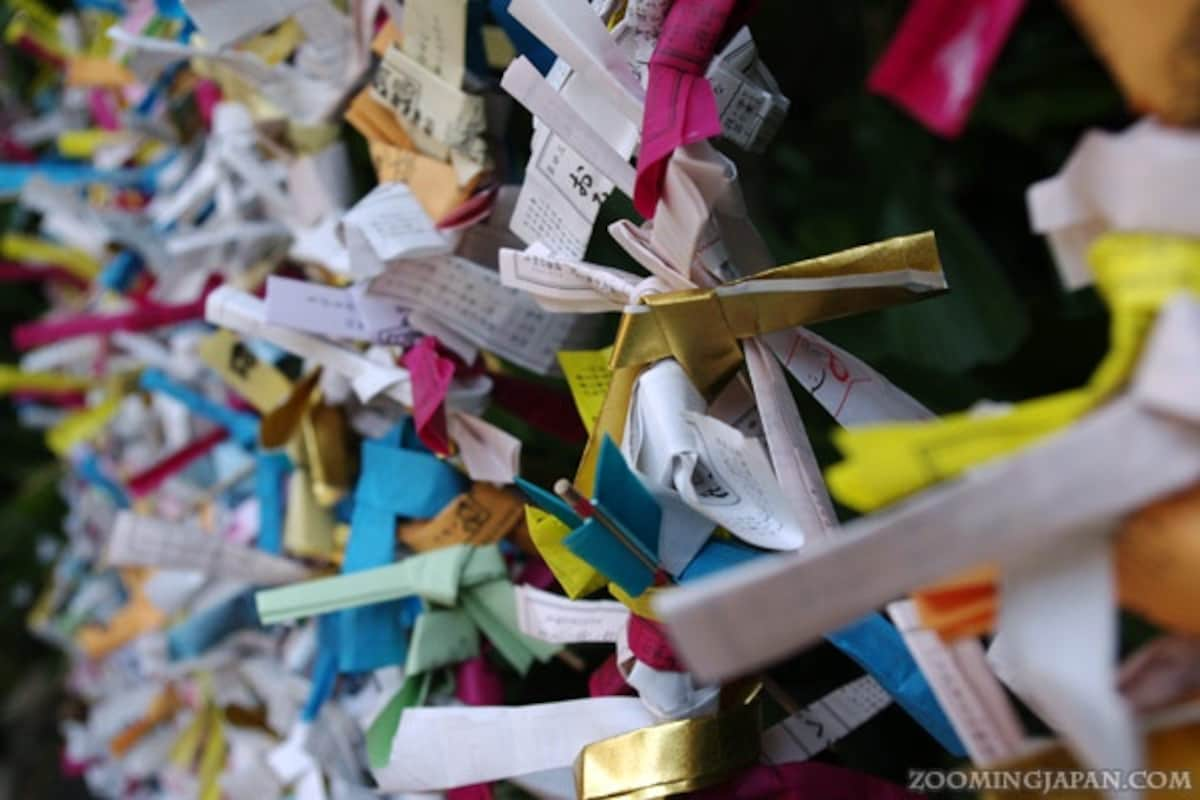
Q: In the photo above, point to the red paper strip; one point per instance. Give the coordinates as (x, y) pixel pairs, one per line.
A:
(18, 272)
(537, 574)
(650, 645)
(803, 781)
(475, 208)
(153, 476)
(607, 681)
(542, 407)
(478, 684)
(74, 398)
(938, 60)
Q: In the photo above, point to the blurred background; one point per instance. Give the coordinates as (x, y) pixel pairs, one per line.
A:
(847, 168)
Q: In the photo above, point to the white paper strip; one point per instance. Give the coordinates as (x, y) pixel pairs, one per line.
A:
(554, 618)
(824, 722)
(503, 741)
(965, 688)
(143, 541)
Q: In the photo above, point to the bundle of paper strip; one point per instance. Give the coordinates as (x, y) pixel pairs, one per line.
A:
(317, 439)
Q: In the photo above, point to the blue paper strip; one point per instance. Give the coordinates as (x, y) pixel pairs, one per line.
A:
(405, 482)
(121, 271)
(550, 503)
(323, 680)
(272, 468)
(90, 470)
(715, 556)
(242, 427)
(523, 41)
(625, 501)
(13, 176)
(876, 645)
(204, 629)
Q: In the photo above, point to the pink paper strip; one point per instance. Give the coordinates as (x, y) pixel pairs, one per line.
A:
(937, 62)
(680, 105)
(207, 94)
(46, 331)
(104, 110)
(478, 684)
(18, 272)
(431, 377)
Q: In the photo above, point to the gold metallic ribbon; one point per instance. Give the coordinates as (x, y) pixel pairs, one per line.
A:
(700, 328)
(674, 757)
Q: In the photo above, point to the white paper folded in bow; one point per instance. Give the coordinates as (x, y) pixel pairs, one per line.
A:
(1141, 179)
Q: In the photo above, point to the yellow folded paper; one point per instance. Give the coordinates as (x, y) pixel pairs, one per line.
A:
(82, 426)
(433, 182)
(85, 143)
(700, 328)
(588, 375)
(98, 72)
(19, 247)
(1135, 273)
(264, 386)
(480, 516)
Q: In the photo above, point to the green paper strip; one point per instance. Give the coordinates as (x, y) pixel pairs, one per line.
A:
(493, 607)
(382, 729)
(441, 638)
(435, 575)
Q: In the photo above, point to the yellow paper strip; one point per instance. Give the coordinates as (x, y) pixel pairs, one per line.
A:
(20, 247)
(1136, 274)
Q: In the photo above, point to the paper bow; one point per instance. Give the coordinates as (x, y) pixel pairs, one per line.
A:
(701, 327)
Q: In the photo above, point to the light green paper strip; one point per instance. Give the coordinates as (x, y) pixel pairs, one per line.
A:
(382, 729)
(485, 564)
(493, 607)
(433, 575)
(440, 638)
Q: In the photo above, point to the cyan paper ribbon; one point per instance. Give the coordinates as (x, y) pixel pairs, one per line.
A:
(242, 427)
(204, 629)
(272, 468)
(399, 478)
(90, 470)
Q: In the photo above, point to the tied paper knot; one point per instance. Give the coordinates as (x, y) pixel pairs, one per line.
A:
(680, 105)
(701, 328)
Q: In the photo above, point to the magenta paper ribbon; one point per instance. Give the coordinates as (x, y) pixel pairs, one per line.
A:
(477, 684)
(19, 272)
(146, 317)
(431, 376)
(804, 781)
(680, 105)
(937, 62)
(606, 680)
(649, 644)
